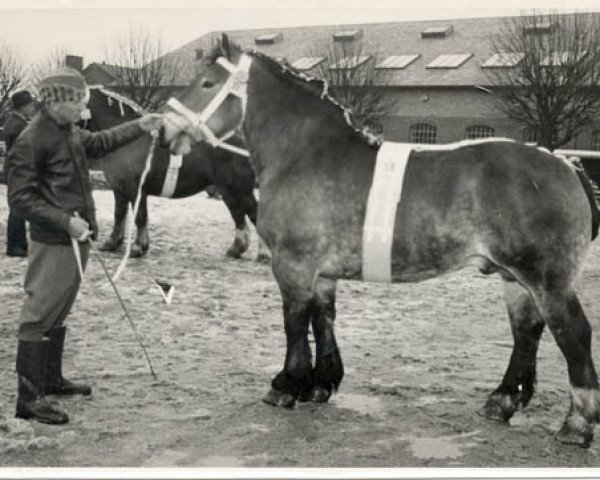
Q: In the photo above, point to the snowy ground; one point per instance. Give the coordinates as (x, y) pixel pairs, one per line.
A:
(420, 361)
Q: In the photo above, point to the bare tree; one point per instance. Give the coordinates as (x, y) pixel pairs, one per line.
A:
(141, 70)
(12, 76)
(55, 59)
(350, 69)
(552, 85)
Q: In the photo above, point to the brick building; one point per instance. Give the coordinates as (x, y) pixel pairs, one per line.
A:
(436, 74)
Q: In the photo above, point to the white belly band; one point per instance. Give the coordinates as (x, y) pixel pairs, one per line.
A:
(378, 232)
(172, 176)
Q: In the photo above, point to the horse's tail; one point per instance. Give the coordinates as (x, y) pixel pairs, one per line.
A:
(591, 190)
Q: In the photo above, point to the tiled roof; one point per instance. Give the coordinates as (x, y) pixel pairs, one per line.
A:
(466, 36)
(111, 71)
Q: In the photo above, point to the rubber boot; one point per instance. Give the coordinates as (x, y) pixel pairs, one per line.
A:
(31, 371)
(56, 384)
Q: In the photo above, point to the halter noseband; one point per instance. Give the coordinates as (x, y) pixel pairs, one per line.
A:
(195, 124)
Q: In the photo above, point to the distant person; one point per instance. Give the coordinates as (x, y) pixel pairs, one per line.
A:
(24, 108)
(49, 186)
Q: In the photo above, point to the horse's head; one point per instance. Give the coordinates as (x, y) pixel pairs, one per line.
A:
(213, 106)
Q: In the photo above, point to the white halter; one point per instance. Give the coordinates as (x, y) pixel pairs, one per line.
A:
(195, 123)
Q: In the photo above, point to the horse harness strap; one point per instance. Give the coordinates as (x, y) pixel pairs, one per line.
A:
(384, 196)
(172, 175)
(236, 85)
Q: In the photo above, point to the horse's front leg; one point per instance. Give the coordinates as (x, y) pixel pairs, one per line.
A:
(142, 239)
(329, 370)
(296, 379)
(114, 241)
(241, 238)
(519, 380)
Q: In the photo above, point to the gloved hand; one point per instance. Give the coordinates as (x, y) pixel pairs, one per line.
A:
(151, 121)
(78, 228)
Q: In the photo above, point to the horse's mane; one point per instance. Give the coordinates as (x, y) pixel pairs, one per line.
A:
(316, 86)
(121, 99)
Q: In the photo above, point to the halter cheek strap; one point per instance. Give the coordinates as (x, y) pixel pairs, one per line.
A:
(196, 125)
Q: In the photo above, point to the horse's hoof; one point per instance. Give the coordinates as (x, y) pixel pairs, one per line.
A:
(499, 407)
(263, 259)
(279, 399)
(136, 252)
(233, 253)
(576, 430)
(569, 436)
(109, 246)
(320, 395)
(304, 397)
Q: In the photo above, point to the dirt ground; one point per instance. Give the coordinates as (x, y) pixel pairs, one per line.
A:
(420, 361)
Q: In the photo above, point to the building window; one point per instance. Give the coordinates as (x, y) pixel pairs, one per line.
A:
(349, 63)
(505, 59)
(268, 39)
(397, 62)
(307, 63)
(596, 140)
(478, 131)
(442, 31)
(539, 26)
(560, 59)
(422, 133)
(347, 36)
(375, 127)
(449, 61)
(530, 135)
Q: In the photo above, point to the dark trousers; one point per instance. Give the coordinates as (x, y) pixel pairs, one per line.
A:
(16, 234)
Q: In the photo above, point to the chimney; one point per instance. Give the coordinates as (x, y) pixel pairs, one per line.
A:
(74, 61)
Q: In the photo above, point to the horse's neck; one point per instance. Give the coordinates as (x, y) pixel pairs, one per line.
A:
(277, 133)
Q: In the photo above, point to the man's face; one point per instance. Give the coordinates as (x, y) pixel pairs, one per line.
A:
(67, 111)
(29, 109)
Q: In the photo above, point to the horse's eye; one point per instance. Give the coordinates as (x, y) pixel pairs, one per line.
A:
(206, 83)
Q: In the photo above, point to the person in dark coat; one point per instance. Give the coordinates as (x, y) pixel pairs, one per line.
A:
(24, 108)
(49, 186)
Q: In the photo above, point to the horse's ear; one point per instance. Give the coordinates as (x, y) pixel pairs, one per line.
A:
(225, 46)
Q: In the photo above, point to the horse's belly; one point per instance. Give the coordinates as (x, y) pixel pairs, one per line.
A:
(421, 258)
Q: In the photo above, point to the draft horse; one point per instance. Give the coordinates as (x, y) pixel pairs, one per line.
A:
(202, 167)
(500, 205)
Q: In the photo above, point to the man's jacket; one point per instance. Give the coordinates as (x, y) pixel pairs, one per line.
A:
(12, 128)
(48, 179)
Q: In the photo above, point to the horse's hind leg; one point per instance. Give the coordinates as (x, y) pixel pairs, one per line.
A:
(519, 380)
(241, 238)
(114, 241)
(564, 316)
(329, 370)
(142, 239)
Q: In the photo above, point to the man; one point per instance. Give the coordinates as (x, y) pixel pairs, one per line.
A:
(49, 186)
(23, 109)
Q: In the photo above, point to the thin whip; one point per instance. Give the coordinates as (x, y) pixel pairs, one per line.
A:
(114, 286)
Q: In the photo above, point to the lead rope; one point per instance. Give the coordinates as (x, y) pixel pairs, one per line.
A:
(136, 206)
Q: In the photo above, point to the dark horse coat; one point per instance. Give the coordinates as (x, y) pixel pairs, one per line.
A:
(503, 206)
(203, 166)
